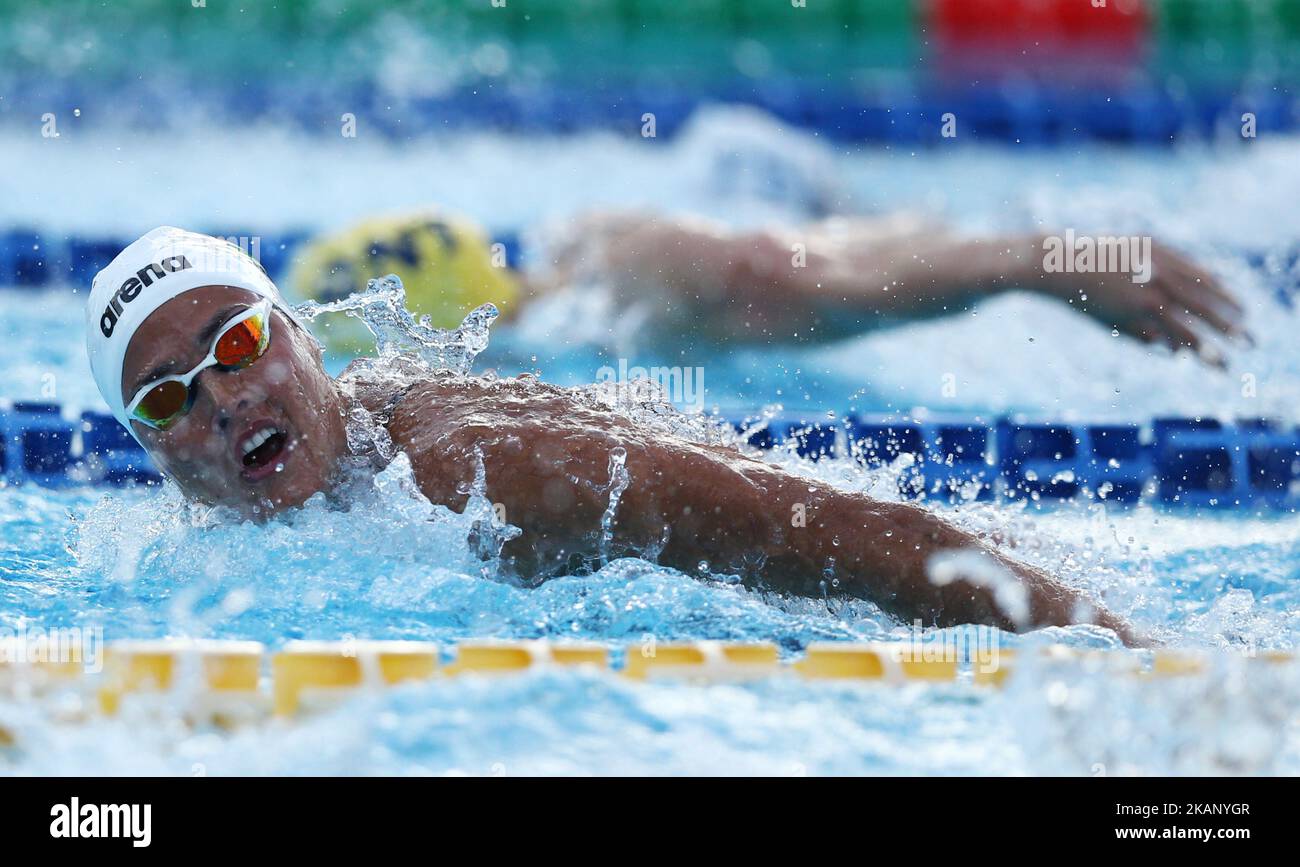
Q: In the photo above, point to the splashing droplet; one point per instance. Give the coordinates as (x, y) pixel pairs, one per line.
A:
(399, 335)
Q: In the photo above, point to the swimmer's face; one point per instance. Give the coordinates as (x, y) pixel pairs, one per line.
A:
(284, 400)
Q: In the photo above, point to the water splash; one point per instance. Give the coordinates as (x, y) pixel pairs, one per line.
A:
(367, 436)
(489, 531)
(1091, 717)
(402, 338)
(619, 479)
(646, 403)
(408, 349)
(189, 570)
(982, 570)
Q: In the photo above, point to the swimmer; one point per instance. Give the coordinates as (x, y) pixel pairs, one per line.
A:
(197, 354)
(826, 280)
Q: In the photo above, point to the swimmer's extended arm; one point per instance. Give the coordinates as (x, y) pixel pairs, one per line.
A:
(547, 462)
(831, 279)
(933, 273)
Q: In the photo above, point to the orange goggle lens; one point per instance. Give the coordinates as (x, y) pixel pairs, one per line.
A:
(236, 347)
(164, 401)
(243, 343)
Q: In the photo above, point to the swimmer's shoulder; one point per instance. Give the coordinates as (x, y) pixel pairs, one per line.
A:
(362, 383)
(476, 399)
(409, 405)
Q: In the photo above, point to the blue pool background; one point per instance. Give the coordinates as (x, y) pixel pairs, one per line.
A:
(525, 116)
(133, 563)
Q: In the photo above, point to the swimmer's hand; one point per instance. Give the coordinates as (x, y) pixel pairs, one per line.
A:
(1178, 300)
(897, 556)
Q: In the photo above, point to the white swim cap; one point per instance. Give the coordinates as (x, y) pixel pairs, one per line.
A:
(151, 271)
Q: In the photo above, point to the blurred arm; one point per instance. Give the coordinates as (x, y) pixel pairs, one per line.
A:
(842, 276)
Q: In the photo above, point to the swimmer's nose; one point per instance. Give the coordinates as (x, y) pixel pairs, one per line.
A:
(227, 393)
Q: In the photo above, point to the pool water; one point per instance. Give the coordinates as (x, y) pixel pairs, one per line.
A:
(139, 564)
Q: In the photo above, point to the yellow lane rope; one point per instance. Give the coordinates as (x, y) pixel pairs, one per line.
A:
(229, 682)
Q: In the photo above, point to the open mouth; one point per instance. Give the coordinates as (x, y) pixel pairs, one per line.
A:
(262, 449)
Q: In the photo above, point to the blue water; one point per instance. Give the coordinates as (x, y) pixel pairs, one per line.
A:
(140, 564)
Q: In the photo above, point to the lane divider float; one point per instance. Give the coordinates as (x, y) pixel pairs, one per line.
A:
(712, 661)
(229, 683)
(318, 673)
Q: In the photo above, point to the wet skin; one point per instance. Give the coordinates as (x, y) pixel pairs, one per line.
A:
(546, 458)
(286, 389)
(862, 273)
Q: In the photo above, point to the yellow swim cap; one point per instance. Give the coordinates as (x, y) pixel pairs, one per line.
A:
(446, 263)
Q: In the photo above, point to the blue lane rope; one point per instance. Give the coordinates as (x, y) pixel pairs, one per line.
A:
(41, 445)
(909, 113)
(1253, 463)
(32, 260)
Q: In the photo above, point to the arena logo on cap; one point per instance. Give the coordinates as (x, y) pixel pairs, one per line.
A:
(131, 287)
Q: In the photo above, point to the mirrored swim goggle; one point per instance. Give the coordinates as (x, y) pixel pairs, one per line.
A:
(240, 342)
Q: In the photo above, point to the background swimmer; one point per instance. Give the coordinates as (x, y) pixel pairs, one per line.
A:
(821, 281)
(207, 367)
